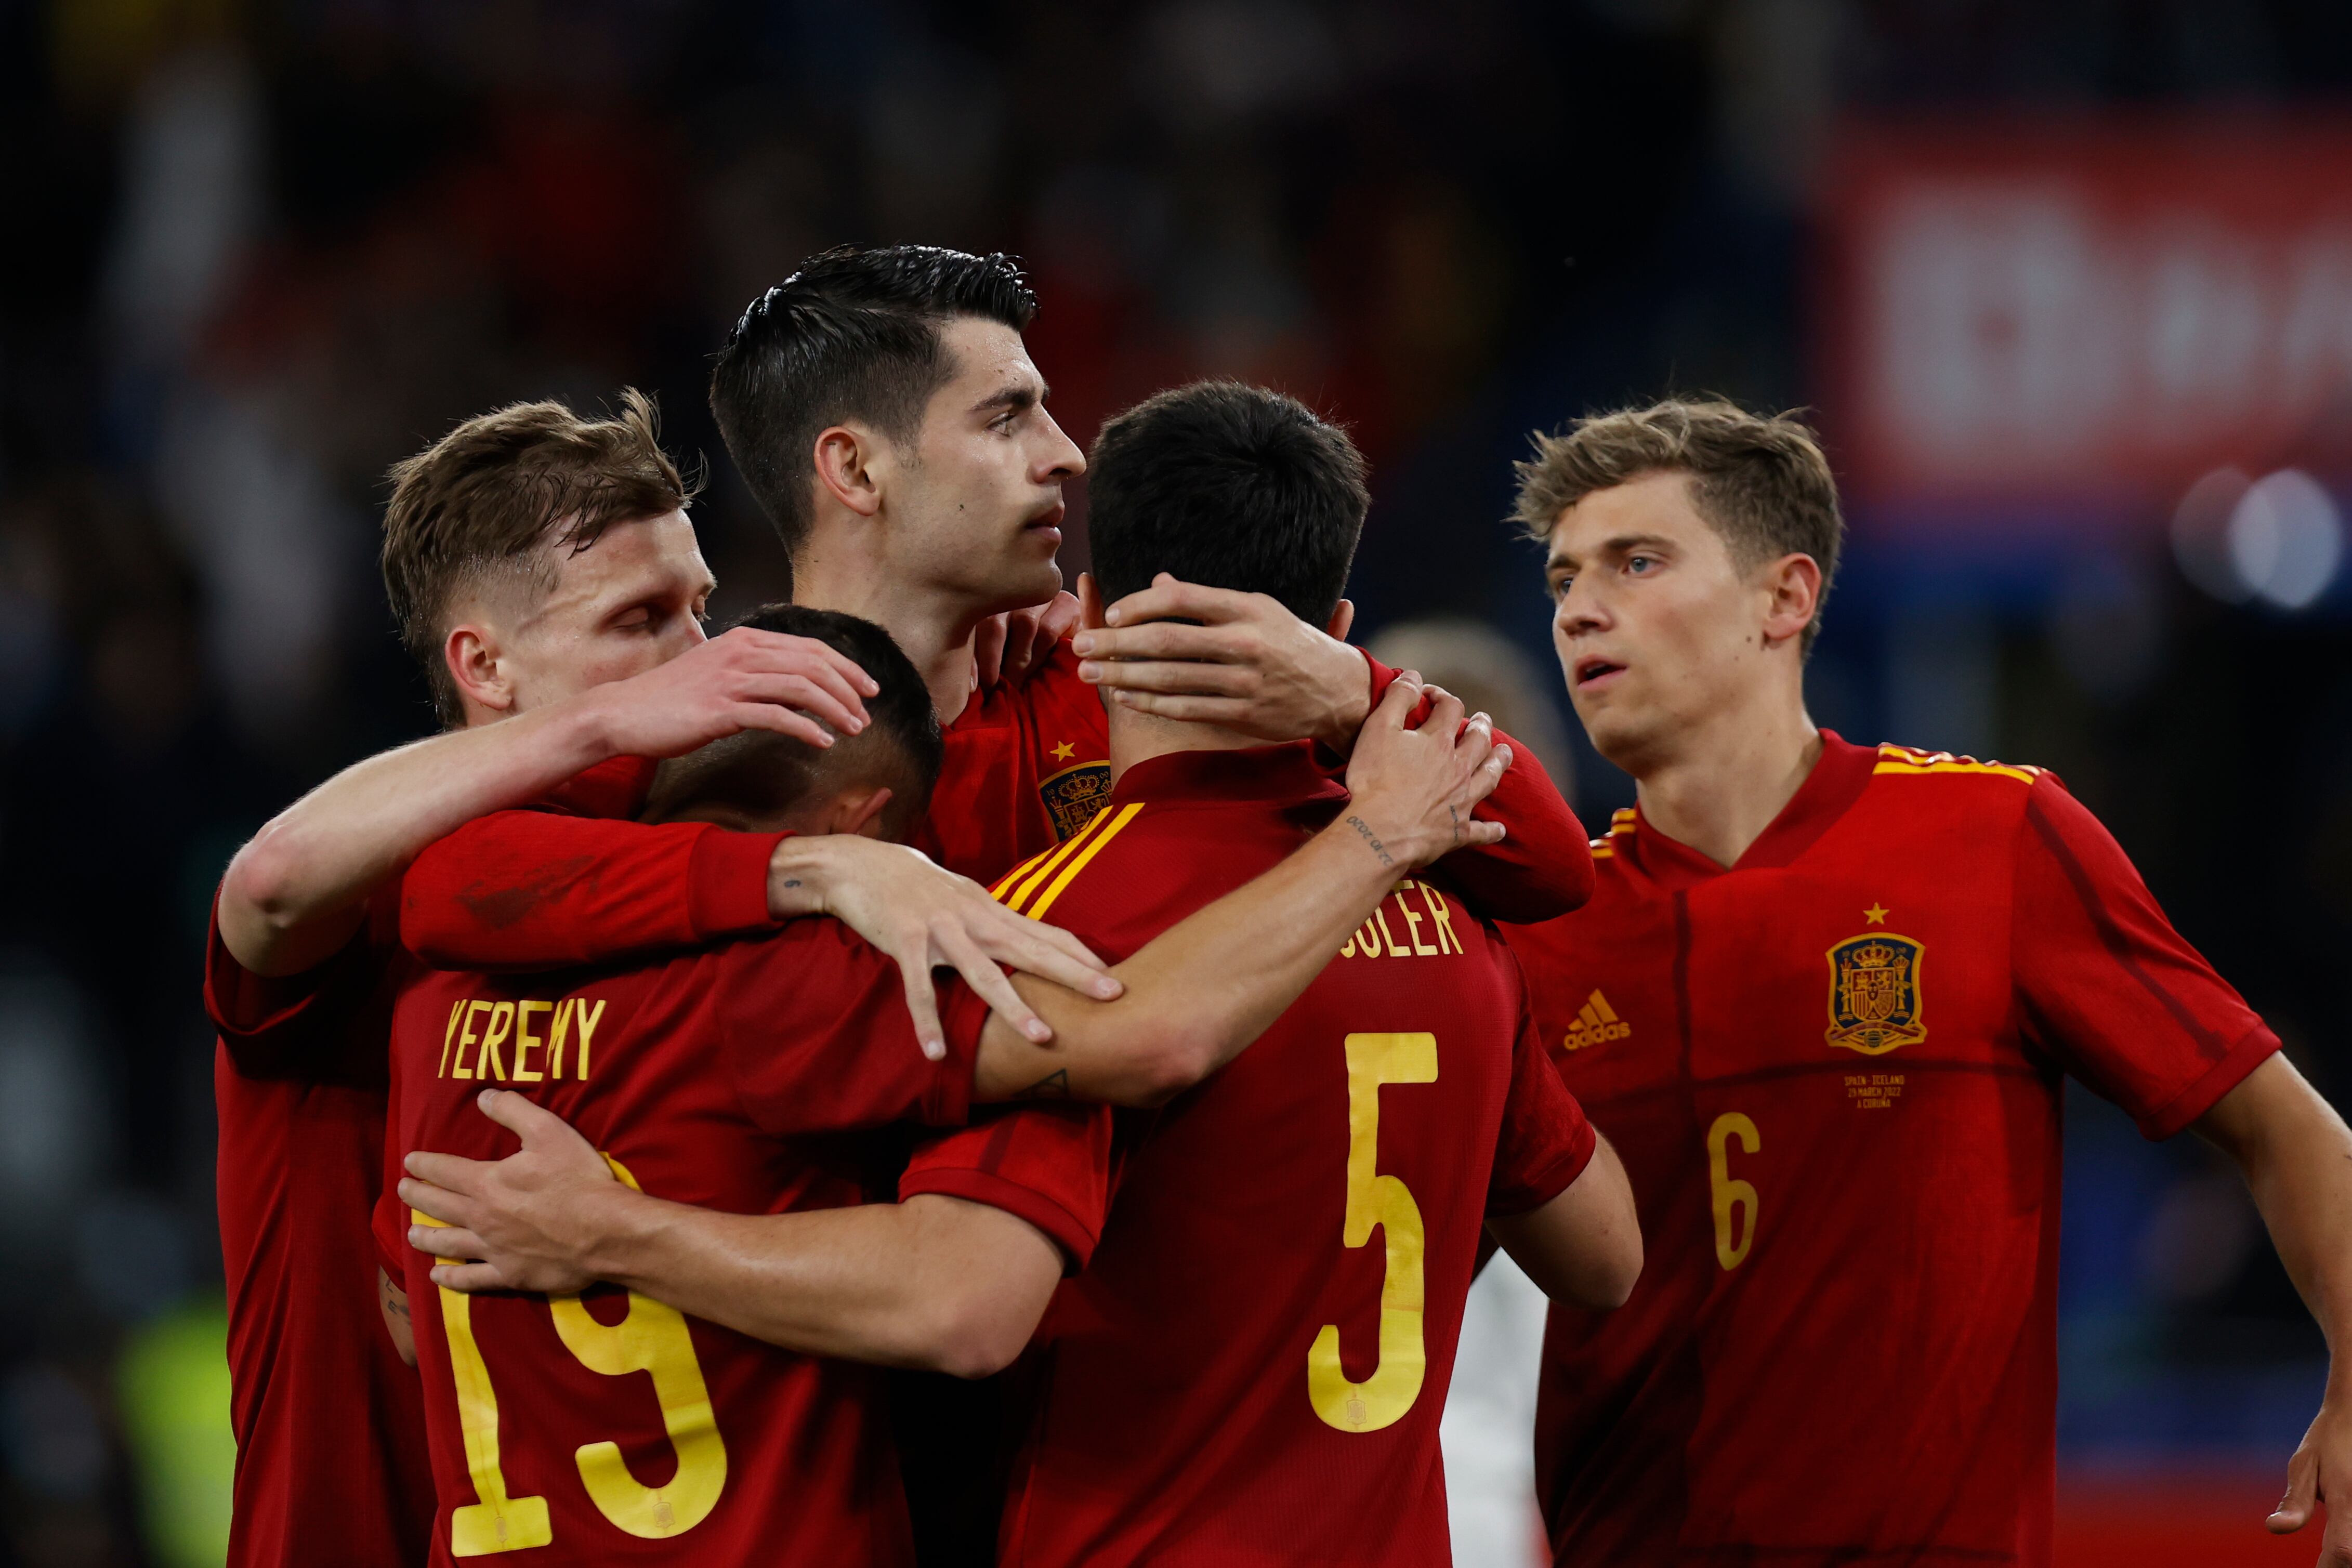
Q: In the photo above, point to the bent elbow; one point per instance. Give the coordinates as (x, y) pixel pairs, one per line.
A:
(1167, 1065)
(978, 1337)
(261, 878)
(1610, 1284)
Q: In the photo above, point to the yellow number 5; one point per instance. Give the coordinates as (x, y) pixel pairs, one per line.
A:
(1382, 1398)
(1732, 1239)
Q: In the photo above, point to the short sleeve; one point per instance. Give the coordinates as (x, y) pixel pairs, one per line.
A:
(327, 1024)
(1050, 1165)
(816, 1034)
(389, 1225)
(2108, 987)
(1546, 1141)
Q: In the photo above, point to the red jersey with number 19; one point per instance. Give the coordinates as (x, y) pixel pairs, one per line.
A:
(1243, 1376)
(609, 1428)
(1833, 1072)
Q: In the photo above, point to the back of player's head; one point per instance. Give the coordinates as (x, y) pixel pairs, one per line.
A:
(1760, 480)
(759, 775)
(493, 500)
(1231, 486)
(853, 334)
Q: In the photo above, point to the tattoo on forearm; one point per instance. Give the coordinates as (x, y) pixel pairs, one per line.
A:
(1054, 1085)
(1372, 839)
(791, 882)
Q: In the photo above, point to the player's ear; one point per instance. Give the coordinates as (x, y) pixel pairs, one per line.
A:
(1794, 582)
(1090, 604)
(476, 662)
(846, 463)
(859, 812)
(1341, 620)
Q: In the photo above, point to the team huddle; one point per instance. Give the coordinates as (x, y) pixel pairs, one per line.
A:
(952, 1071)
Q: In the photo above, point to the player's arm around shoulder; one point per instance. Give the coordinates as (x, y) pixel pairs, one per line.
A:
(935, 1282)
(1198, 993)
(1582, 1249)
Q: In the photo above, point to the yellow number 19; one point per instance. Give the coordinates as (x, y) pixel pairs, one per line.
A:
(651, 1338)
(1382, 1399)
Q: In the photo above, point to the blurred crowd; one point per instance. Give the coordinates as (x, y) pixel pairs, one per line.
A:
(264, 249)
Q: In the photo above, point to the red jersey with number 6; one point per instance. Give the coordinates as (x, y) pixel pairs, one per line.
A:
(1253, 1369)
(755, 1076)
(1833, 1072)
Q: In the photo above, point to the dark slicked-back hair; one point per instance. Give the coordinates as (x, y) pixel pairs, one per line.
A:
(853, 334)
(764, 773)
(485, 499)
(1231, 486)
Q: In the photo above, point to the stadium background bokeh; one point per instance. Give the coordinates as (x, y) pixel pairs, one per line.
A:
(262, 250)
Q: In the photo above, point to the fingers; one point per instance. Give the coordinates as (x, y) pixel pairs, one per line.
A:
(452, 1172)
(781, 650)
(2295, 1509)
(1050, 954)
(1445, 716)
(1160, 640)
(791, 690)
(923, 1003)
(1168, 597)
(468, 1278)
(446, 1241)
(1056, 620)
(1203, 679)
(988, 650)
(981, 973)
(1192, 709)
(533, 1124)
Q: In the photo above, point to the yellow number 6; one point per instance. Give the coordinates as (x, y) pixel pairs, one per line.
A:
(1729, 1192)
(1382, 1399)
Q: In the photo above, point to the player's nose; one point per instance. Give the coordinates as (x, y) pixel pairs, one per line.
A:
(1061, 458)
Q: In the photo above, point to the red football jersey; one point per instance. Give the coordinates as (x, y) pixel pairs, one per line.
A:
(331, 1456)
(1240, 1376)
(609, 1427)
(329, 1425)
(1843, 1346)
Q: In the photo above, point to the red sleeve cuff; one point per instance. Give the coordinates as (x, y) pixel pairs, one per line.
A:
(1072, 1234)
(963, 1013)
(726, 883)
(1551, 1180)
(2176, 1113)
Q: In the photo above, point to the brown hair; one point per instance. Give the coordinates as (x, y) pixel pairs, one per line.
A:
(1760, 481)
(482, 500)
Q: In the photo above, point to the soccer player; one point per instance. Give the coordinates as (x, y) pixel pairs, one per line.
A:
(558, 555)
(741, 1078)
(884, 413)
(1824, 1000)
(1239, 1375)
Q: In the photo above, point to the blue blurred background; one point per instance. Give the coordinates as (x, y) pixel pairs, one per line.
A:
(2068, 281)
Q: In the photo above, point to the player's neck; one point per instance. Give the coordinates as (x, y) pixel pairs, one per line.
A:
(1138, 738)
(1721, 788)
(932, 628)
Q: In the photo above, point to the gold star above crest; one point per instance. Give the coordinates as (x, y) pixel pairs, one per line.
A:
(1876, 913)
(1064, 752)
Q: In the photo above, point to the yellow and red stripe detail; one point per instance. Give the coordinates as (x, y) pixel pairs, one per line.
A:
(1034, 888)
(1906, 760)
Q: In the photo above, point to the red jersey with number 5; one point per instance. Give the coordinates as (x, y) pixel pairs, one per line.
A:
(1252, 1370)
(1833, 1072)
(755, 1076)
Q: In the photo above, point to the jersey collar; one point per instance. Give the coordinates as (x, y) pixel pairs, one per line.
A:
(1839, 777)
(1284, 775)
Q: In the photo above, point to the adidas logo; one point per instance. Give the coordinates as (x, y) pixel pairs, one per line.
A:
(1596, 1023)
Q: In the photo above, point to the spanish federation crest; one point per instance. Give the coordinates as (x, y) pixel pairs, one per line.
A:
(1073, 795)
(1874, 1005)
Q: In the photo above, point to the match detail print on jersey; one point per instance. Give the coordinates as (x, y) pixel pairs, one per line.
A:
(1382, 1399)
(1875, 1001)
